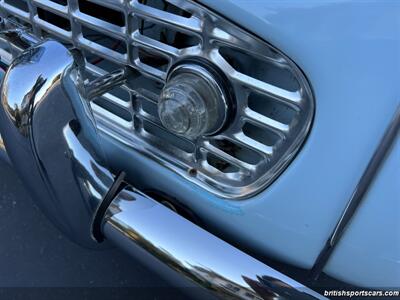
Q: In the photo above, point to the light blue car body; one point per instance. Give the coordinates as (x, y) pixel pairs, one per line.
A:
(350, 52)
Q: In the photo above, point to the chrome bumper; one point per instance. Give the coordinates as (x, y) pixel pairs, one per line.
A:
(139, 224)
(53, 144)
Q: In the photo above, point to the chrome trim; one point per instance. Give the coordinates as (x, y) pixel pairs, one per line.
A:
(155, 234)
(212, 33)
(359, 192)
(103, 84)
(51, 138)
(13, 40)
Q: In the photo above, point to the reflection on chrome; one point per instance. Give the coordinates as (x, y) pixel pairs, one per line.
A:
(51, 137)
(138, 221)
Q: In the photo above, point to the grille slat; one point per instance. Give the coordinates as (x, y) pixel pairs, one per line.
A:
(117, 5)
(109, 117)
(158, 47)
(104, 27)
(16, 11)
(245, 167)
(274, 103)
(268, 123)
(117, 101)
(291, 98)
(246, 141)
(51, 28)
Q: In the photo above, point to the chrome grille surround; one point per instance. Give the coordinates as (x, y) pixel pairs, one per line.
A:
(238, 162)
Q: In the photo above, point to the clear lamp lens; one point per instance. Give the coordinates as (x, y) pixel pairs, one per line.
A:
(191, 106)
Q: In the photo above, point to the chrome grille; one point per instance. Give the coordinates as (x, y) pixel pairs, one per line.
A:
(274, 103)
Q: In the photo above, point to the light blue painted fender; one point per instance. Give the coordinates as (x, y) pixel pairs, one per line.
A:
(350, 52)
(369, 251)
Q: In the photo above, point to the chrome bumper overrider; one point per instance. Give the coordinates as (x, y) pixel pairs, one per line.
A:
(51, 139)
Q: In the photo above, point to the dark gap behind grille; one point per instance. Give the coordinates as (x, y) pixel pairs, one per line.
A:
(166, 35)
(114, 109)
(166, 6)
(61, 2)
(54, 19)
(121, 94)
(150, 108)
(20, 4)
(145, 86)
(104, 13)
(220, 164)
(152, 59)
(241, 153)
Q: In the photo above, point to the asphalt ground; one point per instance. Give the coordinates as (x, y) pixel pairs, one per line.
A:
(39, 262)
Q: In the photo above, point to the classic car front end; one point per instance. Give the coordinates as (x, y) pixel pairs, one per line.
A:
(250, 147)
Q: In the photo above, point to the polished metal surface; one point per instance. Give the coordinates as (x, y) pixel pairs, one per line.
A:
(103, 84)
(13, 40)
(137, 223)
(51, 137)
(357, 197)
(221, 163)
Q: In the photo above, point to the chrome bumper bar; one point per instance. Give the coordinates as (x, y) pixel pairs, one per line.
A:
(138, 223)
(53, 144)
